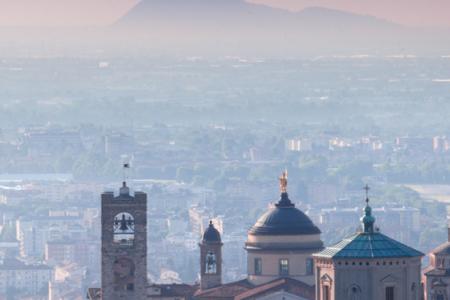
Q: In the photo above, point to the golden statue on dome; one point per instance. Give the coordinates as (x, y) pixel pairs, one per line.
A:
(283, 182)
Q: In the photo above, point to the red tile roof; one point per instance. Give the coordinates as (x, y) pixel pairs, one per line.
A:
(289, 285)
(226, 291)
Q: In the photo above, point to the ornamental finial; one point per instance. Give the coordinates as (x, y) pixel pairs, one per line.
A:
(283, 181)
(368, 220)
(367, 189)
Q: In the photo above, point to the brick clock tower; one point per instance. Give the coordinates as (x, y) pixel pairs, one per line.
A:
(124, 245)
(210, 259)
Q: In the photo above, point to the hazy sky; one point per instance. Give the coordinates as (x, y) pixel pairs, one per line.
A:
(100, 12)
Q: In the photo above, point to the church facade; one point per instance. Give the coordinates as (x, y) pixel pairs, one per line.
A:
(436, 276)
(368, 266)
(286, 259)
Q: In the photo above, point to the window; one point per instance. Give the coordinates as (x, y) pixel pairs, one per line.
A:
(390, 293)
(326, 292)
(440, 297)
(284, 267)
(309, 266)
(130, 287)
(211, 263)
(354, 293)
(124, 229)
(258, 266)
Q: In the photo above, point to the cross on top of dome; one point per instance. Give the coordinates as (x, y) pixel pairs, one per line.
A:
(368, 220)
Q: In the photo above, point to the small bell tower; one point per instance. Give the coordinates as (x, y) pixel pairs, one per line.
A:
(210, 258)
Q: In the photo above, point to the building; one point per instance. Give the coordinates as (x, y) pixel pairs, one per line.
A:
(211, 259)
(279, 246)
(400, 223)
(20, 279)
(33, 233)
(124, 245)
(436, 277)
(285, 259)
(299, 145)
(368, 266)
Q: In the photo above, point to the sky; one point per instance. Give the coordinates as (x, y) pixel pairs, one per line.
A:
(43, 13)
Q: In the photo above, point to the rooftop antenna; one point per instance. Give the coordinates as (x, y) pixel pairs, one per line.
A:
(125, 190)
(125, 171)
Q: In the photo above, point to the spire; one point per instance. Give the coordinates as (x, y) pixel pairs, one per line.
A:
(367, 220)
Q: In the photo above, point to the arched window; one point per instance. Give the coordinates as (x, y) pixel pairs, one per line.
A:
(211, 263)
(354, 292)
(124, 229)
(284, 267)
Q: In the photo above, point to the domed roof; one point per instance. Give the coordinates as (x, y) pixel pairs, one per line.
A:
(211, 235)
(284, 219)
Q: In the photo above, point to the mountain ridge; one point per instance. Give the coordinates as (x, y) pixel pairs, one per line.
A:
(211, 12)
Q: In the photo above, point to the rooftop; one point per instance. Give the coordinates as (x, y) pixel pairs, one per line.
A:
(284, 218)
(369, 243)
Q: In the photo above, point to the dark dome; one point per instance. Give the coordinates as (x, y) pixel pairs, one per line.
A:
(284, 219)
(211, 235)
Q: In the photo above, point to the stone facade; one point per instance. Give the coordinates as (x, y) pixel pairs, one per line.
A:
(436, 276)
(281, 244)
(368, 279)
(124, 245)
(270, 252)
(368, 266)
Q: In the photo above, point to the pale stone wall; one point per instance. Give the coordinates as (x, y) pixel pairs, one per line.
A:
(442, 288)
(297, 249)
(270, 266)
(367, 279)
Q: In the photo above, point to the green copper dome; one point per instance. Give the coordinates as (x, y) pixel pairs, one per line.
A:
(369, 243)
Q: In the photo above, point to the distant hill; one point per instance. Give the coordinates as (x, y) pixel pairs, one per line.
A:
(232, 15)
(243, 25)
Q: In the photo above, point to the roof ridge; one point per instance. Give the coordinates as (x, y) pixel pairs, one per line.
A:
(369, 245)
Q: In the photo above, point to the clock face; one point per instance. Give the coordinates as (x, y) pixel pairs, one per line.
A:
(123, 223)
(123, 269)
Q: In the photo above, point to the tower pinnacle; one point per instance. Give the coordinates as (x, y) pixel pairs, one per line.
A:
(367, 220)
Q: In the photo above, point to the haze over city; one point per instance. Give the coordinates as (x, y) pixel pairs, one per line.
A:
(224, 149)
(418, 13)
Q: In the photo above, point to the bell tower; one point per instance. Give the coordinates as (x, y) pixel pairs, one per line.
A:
(124, 245)
(210, 258)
